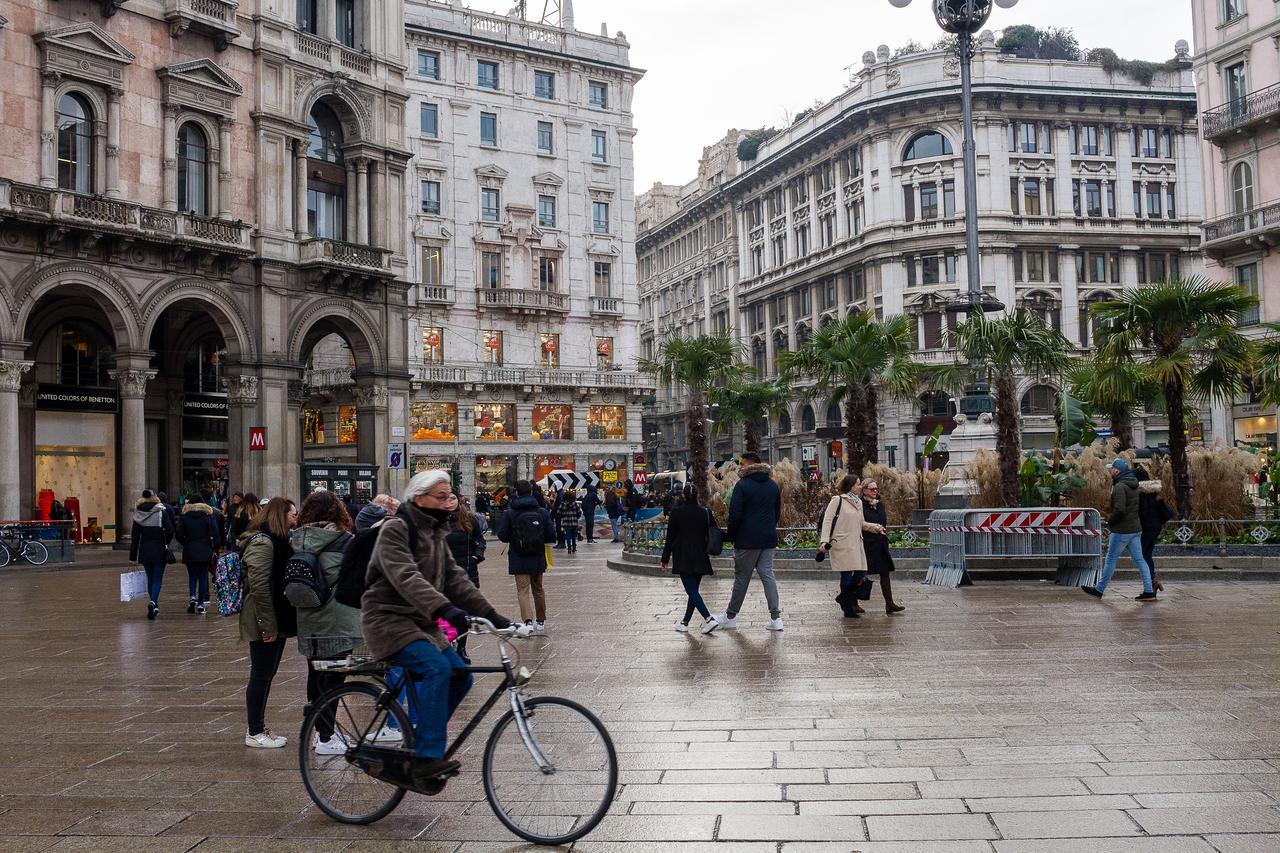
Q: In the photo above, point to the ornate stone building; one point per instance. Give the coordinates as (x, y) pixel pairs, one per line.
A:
(196, 196)
(1087, 183)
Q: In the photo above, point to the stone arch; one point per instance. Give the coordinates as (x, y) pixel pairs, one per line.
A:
(338, 315)
(925, 135)
(227, 315)
(350, 109)
(99, 285)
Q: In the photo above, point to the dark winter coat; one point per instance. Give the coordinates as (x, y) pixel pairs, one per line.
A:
(151, 533)
(519, 564)
(265, 610)
(686, 548)
(570, 515)
(1123, 517)
(1153, 512)
(200, 532)
(237, 523)
(467, 548)
(614, 507)
(754, 509)
(876, 545)
(590, 501)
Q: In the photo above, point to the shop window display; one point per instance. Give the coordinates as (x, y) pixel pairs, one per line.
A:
(347, 432)
(433, 421)
(496, 421)
(312, 426)
(492, 350)
(550, 350)
(607, 422)
(544, 465)
(552, 423)
(604, 353)
(75, 459)
(495, 474)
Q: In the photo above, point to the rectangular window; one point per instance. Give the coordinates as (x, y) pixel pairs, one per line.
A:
(1046, 138)
(489, 129)
(1170, 210)
(909, 203)
(348, 430)
(1155, 207)
(1027, 136)
(802, 241)
(948, 199)
(1137, 199)
(602, 276)
(429, 64)
(933, 330)
(826, 177)
(546, 142)
(491, 343)
(1075, 196)
(1035, 266)
(433, 345)
(600, 217)
(548, 269)
(491, 270)
(312, 426)
(599, 146)
(911, 270)
(429, 120)
(308, 17)
(929, 201)
(544, 85)
(432, 265)
(604, 353)
(1237, 87)
(486, 74)
(495, 421)
(1053, 266)
(1089, 140)
(1050, 205)
(1013, 196)
(549, 349)
(598, 94)
(433, 421)
(929, 269)
(1247, 280)
(552, 423)
(1017, 266)
(607, 423)
(1097, 267)
(779, 251)
(827, 226)
(1093, 198)
(546, 211)
(431, 198)
(1156, 267)
(949, 264)
(1231, 10)
(344, 24)
(490, 202)
(1031, 196)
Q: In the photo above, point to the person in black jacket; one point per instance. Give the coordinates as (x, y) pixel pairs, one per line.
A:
(1154, 513)
(876, 545)
(754, 511)
(466, 542)
(589, 503)
(200, 532)
(615, 510)
(149, 539)
(687, 531)
(527, 564)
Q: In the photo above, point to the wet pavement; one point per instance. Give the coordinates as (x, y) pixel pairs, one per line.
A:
(1013, 717)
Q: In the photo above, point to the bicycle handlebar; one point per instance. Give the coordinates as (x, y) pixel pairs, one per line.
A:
(487, 627)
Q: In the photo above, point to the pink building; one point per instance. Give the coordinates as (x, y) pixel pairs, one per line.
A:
(1237, 72)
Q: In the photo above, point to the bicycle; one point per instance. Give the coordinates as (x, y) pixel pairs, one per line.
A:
(549, 769)
(16, 543)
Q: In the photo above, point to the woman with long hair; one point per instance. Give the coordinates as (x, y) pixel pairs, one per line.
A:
(876, 543)
(840, 537)
(688, 529)
(238, 522)
(266, 617)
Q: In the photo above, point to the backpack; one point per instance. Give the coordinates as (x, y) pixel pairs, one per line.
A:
(228, 584)
(528, 534)
(354, 573)
(305, 585)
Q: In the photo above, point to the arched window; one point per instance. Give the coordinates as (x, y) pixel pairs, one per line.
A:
(758, 356)
(202, 368)
(1038, 400)
(834, 418)
(193, 170)
(927, 144)
(784, 422)
(86, 356)
(808, 422)
(75, 143)
(1241, 188)
(326, 176)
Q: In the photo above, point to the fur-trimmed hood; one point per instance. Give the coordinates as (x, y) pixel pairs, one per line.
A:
(751, 470)
(1150, 487)
(197, 508)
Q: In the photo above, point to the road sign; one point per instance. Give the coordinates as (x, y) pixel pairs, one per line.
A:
(257, 438)
(573, 479)
(639, 458)
(640, 478)
(396, 459)
(609, 476)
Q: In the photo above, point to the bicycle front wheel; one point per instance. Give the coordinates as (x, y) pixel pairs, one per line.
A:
(5, 555)
(35, 552)
(566, 801)
(338, 786)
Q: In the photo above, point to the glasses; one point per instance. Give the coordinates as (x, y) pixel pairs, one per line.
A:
(445, 498)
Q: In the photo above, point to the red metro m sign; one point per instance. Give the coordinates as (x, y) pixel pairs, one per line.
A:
(257, 438)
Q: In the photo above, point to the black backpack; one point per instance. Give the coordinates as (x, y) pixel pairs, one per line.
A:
(528, 534)
(305, 585)
(354, 575)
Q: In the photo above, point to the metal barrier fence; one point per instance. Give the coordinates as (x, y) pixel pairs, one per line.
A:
(1073, 535)
(648, 537)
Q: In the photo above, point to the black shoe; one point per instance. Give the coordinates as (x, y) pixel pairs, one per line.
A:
(1095, 593)
(152, 610)
(1146, 596)
(893, 608)
(191, 606)
(427, 770)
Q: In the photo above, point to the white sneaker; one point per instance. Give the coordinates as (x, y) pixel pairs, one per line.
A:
(718, 622)
(387, 734)
(265, 740)
(682, 627)
(335, 745)
(539, 627)
(774, 624)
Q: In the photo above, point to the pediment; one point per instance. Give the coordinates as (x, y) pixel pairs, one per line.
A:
(550, 179)
(204, 73)
(86, 38)
(490, 170)
(199, 85)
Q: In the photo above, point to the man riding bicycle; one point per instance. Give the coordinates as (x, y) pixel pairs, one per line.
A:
(412, 581)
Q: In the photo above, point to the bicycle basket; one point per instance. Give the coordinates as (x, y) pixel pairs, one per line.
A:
(329, 653)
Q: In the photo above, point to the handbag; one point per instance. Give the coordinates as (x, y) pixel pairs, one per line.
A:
(169, 558)
(133, 585)
(863, 591)
(715, 536)
(822, 555)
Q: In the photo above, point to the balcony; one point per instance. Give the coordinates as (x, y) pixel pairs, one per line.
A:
(435, 294)
(1258, 228)
(1250, 112)
(606, 306)
(213, 18)
(436, 374)
(327, 378)
(333, 55)
(488, 376)
(522, 301)
(336, 262)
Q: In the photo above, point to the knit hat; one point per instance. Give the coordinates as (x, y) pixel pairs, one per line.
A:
(369, 515)
(1120, 465)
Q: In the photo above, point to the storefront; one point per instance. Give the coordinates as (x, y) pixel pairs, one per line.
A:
(1255, 426)
(607, 423)
(544, 465)
(495, 474)
(552, 423)
(343, 480)
(204, 442)
(433, 421)
(496, 421)
(432, 462)
(75, 455)
(348, 432)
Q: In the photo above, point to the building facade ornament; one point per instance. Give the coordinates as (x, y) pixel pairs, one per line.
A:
(11, 373)
(242, 389)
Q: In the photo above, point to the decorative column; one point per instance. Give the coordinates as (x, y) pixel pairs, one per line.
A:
(49, 81)
(300, 189)
(242, 402)
(169, 180)
(371, 426)
(376, 206)
(1070, 288)
(224, 168)
(113, 142)
(362, 202)
(10, 437)
(351, 228)
(295, 395)
(132, 381)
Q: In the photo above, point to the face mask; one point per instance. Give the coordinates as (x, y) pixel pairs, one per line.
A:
(439, 515)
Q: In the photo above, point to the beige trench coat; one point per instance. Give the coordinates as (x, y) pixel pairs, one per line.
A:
(847, 554)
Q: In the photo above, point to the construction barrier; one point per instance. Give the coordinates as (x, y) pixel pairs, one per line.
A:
(1072, 535)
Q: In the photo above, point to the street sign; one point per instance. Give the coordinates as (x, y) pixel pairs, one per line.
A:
(1102, 433)
(639, 458)
(640, 478)
(609, 476)
(573, 479)
(396, 459)
(257, 438)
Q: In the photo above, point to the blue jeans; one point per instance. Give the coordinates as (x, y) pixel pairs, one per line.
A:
(851, 580)
(155, 577)
(691, 584)
(198, 581)
(571, 537)
(440, 682)
(1117, 544)
(616, 524)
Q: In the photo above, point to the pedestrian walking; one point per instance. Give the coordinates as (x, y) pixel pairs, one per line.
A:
(841, 538)
(614, 509)
(1153, 514)
(1126, 531)
(332, 630)
(266, 617)
(200, 532)
(557, 504)
(466, 541)
(876, 543)
(686, 551)
(590, 501)
(632, 500)
(238, 521)
(526, 527)
(149, 539)
(754, 511)
(570, 521)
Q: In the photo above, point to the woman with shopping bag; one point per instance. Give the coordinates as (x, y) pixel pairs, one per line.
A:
(149, 539)
(840, 538)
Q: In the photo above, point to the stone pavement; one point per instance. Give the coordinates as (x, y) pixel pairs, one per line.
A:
(1009, 718)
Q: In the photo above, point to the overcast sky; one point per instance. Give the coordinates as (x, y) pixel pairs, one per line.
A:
(716, 64)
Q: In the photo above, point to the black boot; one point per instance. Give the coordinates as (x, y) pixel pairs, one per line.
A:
(847, 604)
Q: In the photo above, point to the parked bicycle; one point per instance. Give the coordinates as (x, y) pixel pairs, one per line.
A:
(549, 767)
(16, 544)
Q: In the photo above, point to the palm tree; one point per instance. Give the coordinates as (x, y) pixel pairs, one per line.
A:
(748, 401)
(1183, 335)
(699, 364)
(1013, 344)
(851, 360)
(1266, 369)
(1112, 389)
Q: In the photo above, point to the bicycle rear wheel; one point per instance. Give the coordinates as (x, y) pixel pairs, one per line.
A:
(5, 555)
(340, 788)
(35, 552)
(567, 801)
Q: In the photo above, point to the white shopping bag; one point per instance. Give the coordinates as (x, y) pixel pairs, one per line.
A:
(133, 585)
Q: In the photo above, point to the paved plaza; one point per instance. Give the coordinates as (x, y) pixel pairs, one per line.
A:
(1012, 718)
